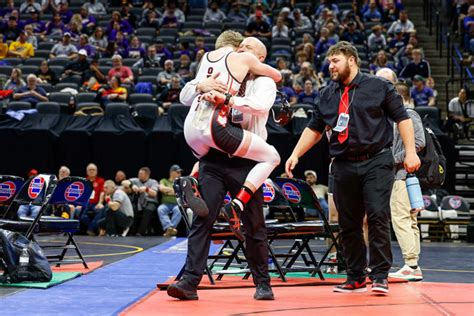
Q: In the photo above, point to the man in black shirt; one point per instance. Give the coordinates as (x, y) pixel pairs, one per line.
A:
(360, 108)
(258, 27)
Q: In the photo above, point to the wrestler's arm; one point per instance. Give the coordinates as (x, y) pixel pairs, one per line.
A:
(258, 68)
(259, 99)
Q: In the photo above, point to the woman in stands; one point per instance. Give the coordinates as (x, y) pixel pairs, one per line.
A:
(14, 82)
(56, 26)
(135, 50)
(115, 92)
(45, 74)
(118, 24)
(99, 41)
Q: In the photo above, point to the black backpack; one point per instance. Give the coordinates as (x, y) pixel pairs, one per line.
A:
(11, 247)
(432, 171)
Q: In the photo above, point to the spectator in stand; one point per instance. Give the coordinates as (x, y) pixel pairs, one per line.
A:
(15, 81)
(380, 61)
(195, 64)
(31, 92)
(170, 93)
(281, 63)
(430, 83)
(406, 25)
(284, 86)
(320, 190)
(75, 29)
(324, 42)
(30, 36)
(77, 67)
(173, 16)
(151, 19)
(118, 24)
(3, 47)
(115, 92)
(236, 15)
(93, 213)
(404, 57)
(9, 7)
(285, 15)
(418, 66)
(21, 48)
(88, 21)
(372, 14)
(457, 113)
(11, 29)
(376, 40)
(147, 189)
(302, 22)
(65, 12)
(309, 95)
(468, 26)
(120, 176)
(45, 74)
(351, 34)
(398, 42)
(183, 70)
(94, 78)
(64, 48)
(56, 26)
(127, 15)
(84, 44)
(28, 6)
(94, 7)
(332, 32)
(165, 76)
(306, 73)
(29, 210)
(118, 210)
(321, 19)
(390, 11)
(326, 4)
(148, 7)
(99, 41)
(150, 60)
(135, 50)
(214, 14)
(168, 211)
(258, 28)
(39, 27)
(280, 29)
(184, 49)
(199, 44)
(162, 51)
(421, 94)
(124, 72)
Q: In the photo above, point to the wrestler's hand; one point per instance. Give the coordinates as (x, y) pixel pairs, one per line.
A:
(214, 97)
(290, 165)
(211, 83)
(411, 162)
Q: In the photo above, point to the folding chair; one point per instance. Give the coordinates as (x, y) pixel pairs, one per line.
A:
(455, 212)
(44, 190)
(9, 187)
(299, 194)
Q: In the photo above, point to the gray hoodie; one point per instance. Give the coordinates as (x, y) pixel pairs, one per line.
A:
(398, 148)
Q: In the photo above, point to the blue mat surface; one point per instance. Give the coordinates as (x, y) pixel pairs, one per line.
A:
(107, 290)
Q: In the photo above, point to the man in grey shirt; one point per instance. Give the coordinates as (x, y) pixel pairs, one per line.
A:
(147, 190)
(119, 210)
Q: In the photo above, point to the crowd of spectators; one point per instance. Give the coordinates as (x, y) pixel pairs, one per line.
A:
(155, 47)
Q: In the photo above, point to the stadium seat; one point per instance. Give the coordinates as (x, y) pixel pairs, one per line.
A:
(83, 97)
(62, 98)
(6, 70)
(153, 71)
(135, 98)
(59, 61)
(18, 106)
(455, 212)
(48, 108)
(46, 45)
(75, 79)
(168, 32)
(147, 110)
(115, 109)
(46, 86)
(57, 69)
(34, 61)
(148, 31)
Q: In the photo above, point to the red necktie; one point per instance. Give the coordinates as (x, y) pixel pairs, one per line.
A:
(344, 108)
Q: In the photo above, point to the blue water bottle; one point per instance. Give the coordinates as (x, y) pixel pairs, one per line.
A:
(414, 192)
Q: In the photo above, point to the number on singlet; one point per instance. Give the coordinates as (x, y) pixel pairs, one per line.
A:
(209, 71)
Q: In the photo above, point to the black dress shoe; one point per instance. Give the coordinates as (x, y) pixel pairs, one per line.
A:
(183, 291)
(264, 292)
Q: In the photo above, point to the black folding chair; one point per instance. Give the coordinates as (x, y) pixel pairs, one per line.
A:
(45, 190)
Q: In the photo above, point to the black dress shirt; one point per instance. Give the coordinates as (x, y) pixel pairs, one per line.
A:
(374, 105)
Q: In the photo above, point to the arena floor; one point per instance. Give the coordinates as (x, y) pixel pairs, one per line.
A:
(132, 266)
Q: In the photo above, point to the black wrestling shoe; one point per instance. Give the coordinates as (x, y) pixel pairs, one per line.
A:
(264, 292)
(183, 291)
(231, 214)
(188, 187)
(380, 286)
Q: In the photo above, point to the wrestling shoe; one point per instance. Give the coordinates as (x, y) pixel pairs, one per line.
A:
(183, 291)
(380, 286)
(408, 274)
(264, 292)
(231, 214)
(351, 287)
(188, 190)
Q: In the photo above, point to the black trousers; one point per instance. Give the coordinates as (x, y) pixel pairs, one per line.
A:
(148, 211)
(218, 174)
(364, 188)
(116, 221)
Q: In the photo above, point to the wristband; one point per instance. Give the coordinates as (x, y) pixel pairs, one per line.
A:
(107, 200)
(147, 190)
(227, 98)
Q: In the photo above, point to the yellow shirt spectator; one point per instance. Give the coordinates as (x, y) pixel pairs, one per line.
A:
(3, 50)
(21, 48)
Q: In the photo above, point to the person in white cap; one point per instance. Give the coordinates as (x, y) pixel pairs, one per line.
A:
(77, 67)
(64, 48)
